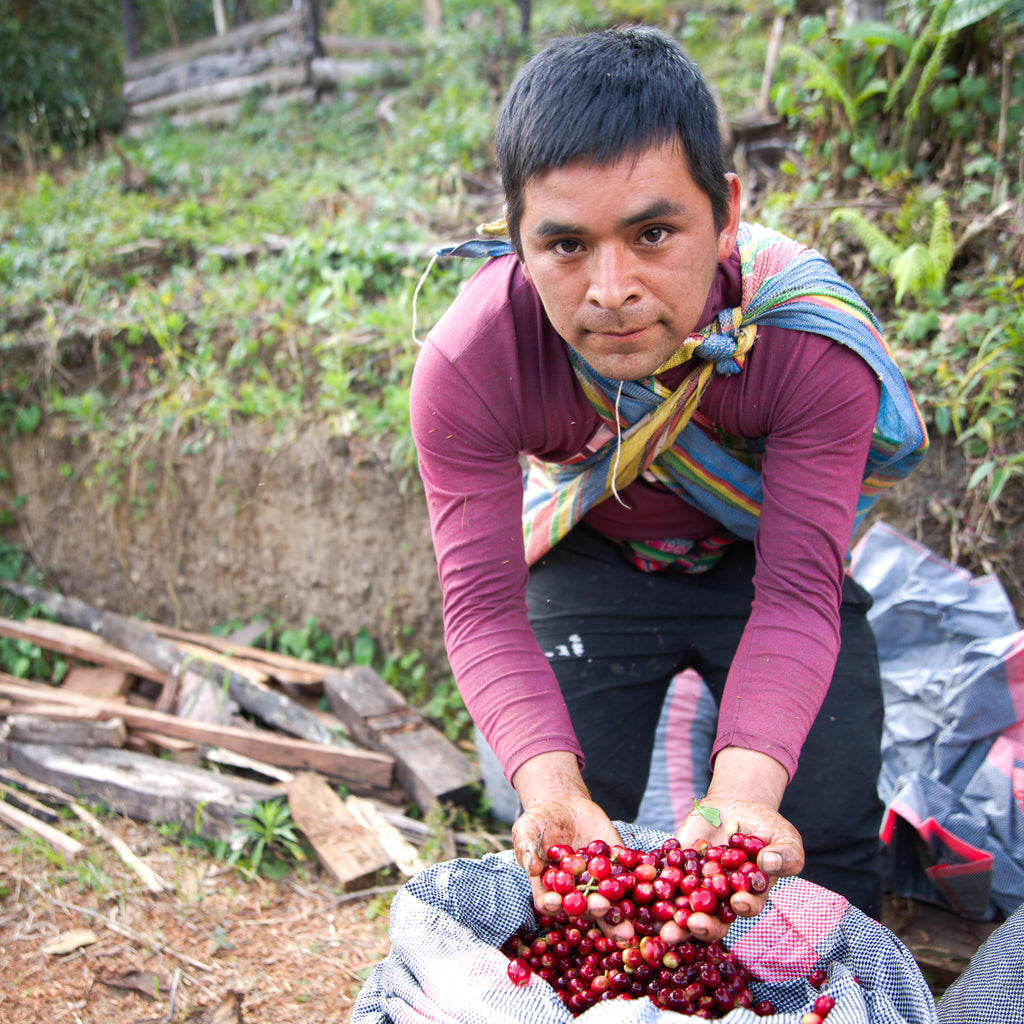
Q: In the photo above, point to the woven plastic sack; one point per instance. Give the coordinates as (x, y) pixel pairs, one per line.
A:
(448, 923)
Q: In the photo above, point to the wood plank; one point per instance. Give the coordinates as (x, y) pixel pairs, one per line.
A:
(377, 716)
(282, 667)
(142, 787)
(348, 851)
(28, 804)
(21, 728)
(363, 770)
(274, 708)
(97, 681)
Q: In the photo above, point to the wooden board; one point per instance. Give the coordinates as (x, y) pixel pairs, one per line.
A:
(98, 681)
(79, 643)
(20, 821)
(348, 851)
(36, 728)
(428, 766)
(275, 709)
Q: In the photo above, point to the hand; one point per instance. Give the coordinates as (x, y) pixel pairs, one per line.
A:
(557, 809)
(746, 789)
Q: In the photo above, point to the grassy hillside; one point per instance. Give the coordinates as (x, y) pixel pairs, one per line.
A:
(170, 286)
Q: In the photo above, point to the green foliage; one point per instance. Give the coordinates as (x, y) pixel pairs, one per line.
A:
(894, 98)
(22, 658)
(60, 73)
(432, 691)
(917, 268)
(266, 842)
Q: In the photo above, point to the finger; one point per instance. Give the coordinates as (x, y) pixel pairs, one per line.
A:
(748, 904)
(706, 928)
(547, 902)
(780, 859)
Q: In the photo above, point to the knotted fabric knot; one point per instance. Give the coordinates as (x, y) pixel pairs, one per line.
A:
(727, 345)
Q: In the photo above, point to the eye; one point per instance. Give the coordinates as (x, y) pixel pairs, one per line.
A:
(566, 247)
(654, 235)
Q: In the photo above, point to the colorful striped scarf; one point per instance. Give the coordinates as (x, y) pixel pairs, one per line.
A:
(650, 430)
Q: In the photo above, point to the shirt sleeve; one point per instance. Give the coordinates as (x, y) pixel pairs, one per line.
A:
(469, 425)
(816, 402)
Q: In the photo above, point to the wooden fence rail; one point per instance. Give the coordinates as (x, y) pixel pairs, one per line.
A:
(259, 65)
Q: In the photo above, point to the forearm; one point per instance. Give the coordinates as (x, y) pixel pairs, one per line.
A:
(748, 775)
(554, 775)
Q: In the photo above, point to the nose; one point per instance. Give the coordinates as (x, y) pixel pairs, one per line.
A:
(613, 280)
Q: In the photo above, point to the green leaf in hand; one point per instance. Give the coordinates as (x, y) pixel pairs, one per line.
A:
(709, 814)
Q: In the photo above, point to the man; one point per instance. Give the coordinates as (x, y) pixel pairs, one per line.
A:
(706, 410)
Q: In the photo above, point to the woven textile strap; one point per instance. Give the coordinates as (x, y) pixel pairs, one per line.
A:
(653, 431)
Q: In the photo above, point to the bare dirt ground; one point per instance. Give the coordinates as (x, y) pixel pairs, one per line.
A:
(214, 950)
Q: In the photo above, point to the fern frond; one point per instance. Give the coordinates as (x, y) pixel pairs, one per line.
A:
(924, 41)
(913, 271)
(931, 69)
(824, 78)
(941, 244)
(882, 250)
(909, 211)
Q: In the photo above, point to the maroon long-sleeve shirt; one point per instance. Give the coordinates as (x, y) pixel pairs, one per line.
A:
(493, 380)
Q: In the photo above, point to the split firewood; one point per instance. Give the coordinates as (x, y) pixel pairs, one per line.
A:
(28, 804)
(405, 856)
(98, 680)
(361, 770)
(78, 643)
(20, 821)
(150, 879)
(283, 668)
(429, 767)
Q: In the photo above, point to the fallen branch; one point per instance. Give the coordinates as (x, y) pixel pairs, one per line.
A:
(152, 881)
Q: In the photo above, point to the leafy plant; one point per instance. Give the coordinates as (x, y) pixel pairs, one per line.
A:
(60, 73)
(902, 97)
(266, 842)
(917, 268)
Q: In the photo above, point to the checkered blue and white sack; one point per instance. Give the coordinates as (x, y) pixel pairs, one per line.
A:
(448, 923)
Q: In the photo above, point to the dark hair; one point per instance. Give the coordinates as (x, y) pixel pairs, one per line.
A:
(605, 95)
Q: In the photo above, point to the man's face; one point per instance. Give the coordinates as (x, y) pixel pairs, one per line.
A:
(623, 256)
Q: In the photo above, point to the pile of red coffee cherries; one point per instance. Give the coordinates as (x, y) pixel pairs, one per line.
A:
(656, 891)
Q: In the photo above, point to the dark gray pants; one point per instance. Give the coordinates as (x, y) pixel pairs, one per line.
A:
(639, 629)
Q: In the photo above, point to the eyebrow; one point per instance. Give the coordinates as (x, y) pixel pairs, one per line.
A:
(549, 228)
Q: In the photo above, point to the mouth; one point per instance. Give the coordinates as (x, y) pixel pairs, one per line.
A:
(621, 337)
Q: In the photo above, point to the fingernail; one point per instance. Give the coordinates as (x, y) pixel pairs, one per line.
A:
(527, 861)
(771, 862)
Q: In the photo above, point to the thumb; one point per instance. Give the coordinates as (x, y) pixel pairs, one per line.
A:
(781, 859)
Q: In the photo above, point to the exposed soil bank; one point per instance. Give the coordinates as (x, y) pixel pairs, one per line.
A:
(308, 525)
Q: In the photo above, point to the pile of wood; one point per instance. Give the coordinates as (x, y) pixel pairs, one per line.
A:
(163, 725)
(261, 64)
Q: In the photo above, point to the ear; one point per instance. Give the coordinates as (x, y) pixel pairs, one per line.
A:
(727, 236)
